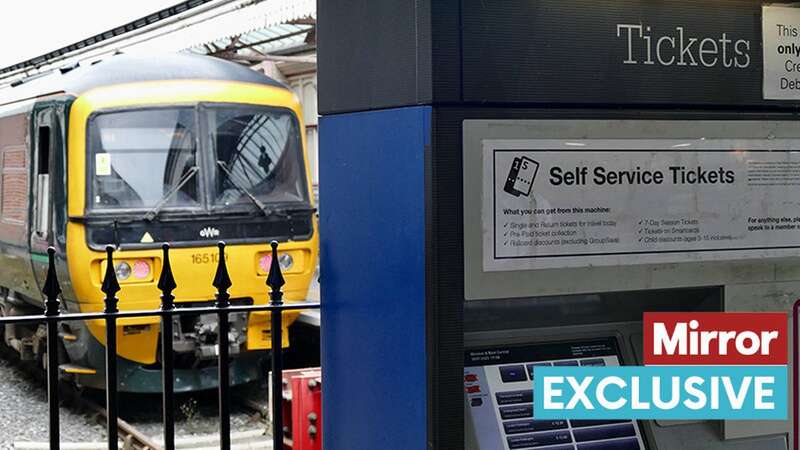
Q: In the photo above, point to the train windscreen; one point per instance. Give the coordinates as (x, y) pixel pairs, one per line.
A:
(213, 157)
(257, 155)
(139, 156)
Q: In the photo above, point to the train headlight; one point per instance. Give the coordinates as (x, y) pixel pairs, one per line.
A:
(141, 269)
(131, 270)
(264, 262)
(289, 261)
(286, 261)
(123, 270)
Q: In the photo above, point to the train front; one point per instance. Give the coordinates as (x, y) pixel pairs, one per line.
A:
(190, 163)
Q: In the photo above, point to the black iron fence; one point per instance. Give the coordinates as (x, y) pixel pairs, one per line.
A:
(166, 284)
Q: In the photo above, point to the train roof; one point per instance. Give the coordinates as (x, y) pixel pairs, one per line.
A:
(130, 69)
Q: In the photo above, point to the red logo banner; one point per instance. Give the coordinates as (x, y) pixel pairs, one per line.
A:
(716, 338)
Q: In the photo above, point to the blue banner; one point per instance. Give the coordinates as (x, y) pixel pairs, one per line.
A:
(661, 392)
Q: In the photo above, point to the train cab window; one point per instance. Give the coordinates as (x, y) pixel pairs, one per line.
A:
(143, 159)
(258, 153)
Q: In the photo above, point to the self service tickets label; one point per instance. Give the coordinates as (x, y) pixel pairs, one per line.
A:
(637, 201)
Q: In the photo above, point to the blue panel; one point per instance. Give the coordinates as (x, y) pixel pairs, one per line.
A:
(372, 215)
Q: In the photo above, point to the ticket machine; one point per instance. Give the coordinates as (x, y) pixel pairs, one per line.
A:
(513, 183)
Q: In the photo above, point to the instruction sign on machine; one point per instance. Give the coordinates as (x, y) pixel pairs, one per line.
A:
(551, 203)
(781, 40)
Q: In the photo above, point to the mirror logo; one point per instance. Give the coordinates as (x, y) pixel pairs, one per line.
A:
(698, 366)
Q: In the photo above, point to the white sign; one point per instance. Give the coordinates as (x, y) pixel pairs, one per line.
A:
(102, 164)
(781, 36)
(637, 201)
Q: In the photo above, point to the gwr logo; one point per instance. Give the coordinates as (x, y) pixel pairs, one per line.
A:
(715, 338)
(209, 232)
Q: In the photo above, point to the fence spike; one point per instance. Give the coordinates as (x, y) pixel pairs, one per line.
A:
(52, 289)
(110, 288)
(222, 281)
(110, 284)
(275, 277)
(275, 281)
(166, 282)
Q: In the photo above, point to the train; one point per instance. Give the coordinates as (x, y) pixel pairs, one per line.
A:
(136, 151)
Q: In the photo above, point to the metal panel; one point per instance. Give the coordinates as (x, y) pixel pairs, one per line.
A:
(373, 266)
(372, 54)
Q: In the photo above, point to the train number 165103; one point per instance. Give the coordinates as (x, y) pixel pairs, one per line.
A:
(205, 258)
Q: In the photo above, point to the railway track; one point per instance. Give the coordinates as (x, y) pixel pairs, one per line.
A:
(132, 438)
(243, 440)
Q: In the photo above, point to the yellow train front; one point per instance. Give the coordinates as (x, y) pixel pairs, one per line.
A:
(134, 152)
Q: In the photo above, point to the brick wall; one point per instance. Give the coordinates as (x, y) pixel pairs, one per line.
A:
(14, 189)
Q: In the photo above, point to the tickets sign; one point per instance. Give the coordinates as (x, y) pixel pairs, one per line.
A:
(579, 203)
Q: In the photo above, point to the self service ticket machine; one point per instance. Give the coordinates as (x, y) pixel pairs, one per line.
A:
(510, 184)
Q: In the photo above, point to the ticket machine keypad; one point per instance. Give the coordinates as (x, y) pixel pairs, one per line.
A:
(500, 403)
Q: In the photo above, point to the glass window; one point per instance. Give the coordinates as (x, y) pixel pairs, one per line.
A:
(258, 154)
(142, 159)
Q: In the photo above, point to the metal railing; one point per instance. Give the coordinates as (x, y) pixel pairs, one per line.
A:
(166, 284)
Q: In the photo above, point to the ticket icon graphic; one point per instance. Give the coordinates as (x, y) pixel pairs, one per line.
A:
(520, 176)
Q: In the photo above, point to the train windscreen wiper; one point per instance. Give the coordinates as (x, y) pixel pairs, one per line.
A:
(153, 213)
(261, 206)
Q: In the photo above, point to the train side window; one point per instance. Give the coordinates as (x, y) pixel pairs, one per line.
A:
(44, 144)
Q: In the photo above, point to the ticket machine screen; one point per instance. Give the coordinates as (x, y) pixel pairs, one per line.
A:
(498, 382)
